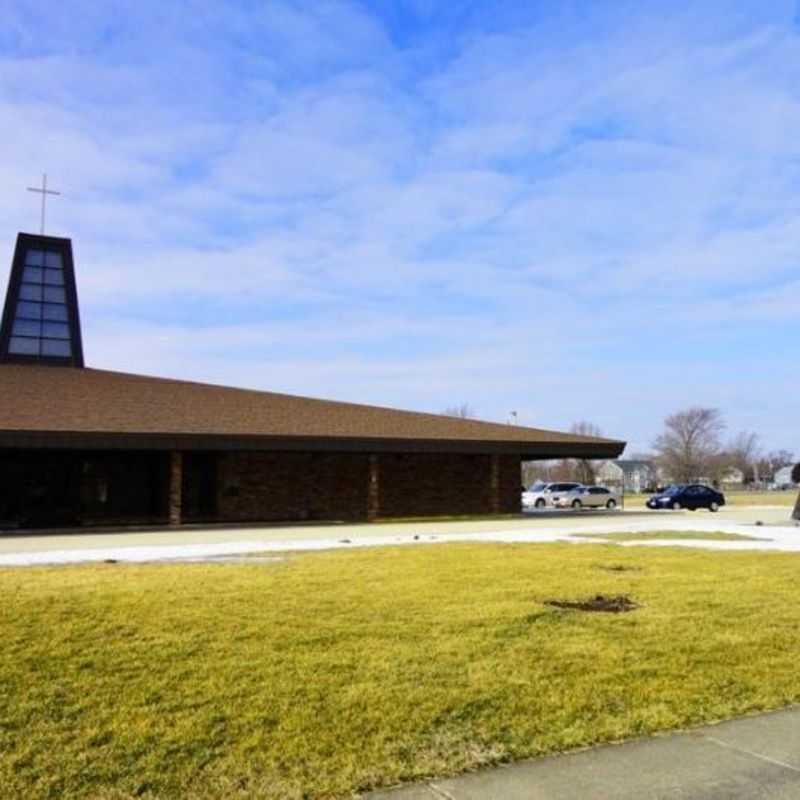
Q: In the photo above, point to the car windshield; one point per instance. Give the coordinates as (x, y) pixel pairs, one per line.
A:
(537, 487)
(673, 490)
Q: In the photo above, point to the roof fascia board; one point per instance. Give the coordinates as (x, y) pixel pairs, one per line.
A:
(58, 440)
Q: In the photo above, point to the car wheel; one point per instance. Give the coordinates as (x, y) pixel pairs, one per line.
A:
(576, 504)
(611, 504)
(714, 506)
(676, 506)
(540, 503)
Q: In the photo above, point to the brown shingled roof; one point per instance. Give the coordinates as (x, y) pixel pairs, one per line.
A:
(65, 407)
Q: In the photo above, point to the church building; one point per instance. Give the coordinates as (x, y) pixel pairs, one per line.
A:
(83, 447)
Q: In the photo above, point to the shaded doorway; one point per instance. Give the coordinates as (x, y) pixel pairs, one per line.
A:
(67, 488)
(39, 490)
(120, 488)
(199, 487)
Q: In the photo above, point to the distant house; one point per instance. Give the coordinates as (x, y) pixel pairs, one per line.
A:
(732, 478)
(633, 476)
(783, 478)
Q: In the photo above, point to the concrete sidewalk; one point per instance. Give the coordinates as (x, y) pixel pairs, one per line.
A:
(745, 759)
(209, 542)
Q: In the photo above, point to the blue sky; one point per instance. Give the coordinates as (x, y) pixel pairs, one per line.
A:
(575, 210)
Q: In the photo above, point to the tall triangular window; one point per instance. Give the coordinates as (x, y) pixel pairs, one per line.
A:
(41, 323)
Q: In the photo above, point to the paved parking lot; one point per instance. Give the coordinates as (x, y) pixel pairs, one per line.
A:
(778, 531)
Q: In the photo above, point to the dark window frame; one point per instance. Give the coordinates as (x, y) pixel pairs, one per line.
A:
(26, 242)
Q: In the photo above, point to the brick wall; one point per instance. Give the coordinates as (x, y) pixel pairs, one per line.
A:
(296, 486)
(510, 485)
(427, 484)
(291, 486)
(126, 488)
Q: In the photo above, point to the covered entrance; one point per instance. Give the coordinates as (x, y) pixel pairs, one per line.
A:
(62, 488)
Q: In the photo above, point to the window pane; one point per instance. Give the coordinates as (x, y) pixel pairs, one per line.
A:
(27, 327)
(54, 312)
(53, 294)
(23, 347)
(52, 260)
(30, 291)
(54, 347)
(55, 277)
(32, 275)
(34, 258)
(55, 330)
(29, 310)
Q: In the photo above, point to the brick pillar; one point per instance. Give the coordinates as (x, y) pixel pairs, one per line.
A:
(175, 487)
(494, 484)
(373, 488)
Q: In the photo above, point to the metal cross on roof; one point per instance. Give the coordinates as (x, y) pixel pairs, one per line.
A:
(44, 192)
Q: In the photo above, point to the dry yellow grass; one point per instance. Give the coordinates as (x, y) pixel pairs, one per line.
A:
(337, 672)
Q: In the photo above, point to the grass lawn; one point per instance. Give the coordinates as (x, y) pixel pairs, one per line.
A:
(643, 536)
(732, 499)
(336, 672)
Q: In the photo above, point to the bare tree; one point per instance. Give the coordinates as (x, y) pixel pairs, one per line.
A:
(566, 469)
(533, 471)
(769, 464)
(462, 411)
(585, 428)
(780, 459)
(690, 444)
(743, 453)
(583, 470)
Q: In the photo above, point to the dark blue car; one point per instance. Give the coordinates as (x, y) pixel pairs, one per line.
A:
(689, 495)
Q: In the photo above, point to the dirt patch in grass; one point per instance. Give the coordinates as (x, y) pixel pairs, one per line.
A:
(618, 568)
(600, 602)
